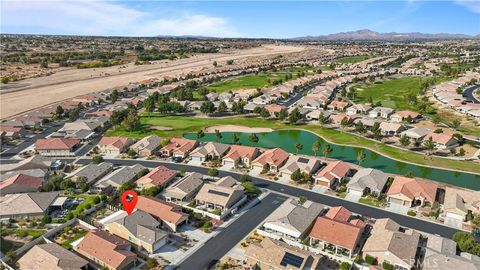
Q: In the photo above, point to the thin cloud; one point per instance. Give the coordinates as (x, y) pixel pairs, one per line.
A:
(104, 18)
(471, 5)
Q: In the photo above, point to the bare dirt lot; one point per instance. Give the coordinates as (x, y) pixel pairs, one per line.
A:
(30, 94)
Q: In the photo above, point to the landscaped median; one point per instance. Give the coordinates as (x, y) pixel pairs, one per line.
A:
(180, 125)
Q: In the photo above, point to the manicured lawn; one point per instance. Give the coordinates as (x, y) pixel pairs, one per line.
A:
(31, 232)
(392, 93)
(181, 125)
(352, 59)
(81, 207)
(371, 201)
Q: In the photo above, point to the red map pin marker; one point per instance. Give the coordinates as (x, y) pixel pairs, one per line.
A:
(129, 200)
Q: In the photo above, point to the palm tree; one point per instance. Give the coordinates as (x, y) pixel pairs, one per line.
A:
(299, 147)
(218, 135)
(429, 145)
(361, 157)
(317, 146)
(327, 151)
(404, 140)
(253, 138)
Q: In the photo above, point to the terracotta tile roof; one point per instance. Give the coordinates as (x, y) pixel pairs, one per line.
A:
(335, 228)
(441, 138)
(413, 188)
(163, 210)
(10, 128)
(239, 151)
(117, 142)
(405, 114)
(107, 248)
(56, 144)
(274, 108)
(180, 144)
(275, 156)
(159, 176)
(335, 169)
(22, 180)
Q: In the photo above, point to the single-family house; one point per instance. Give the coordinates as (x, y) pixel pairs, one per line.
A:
(139, 228)
(117, 178)
(381, 112)
(272, 159)
(337, 231)
(410, 191)
(168, 214)
(223, 194)
(91, 173)
(114, 145)
(20, 183)
(159, 176)
(303, 164)
(391, 129)
(409, 116)
(390, 243)
(209, 151)
(416, 133)
(27, 205)
(291, 221)
(459, 202)
(442, 141)
(367, 181)
(184, 189)
(333, 174)
(359, 109)
(240, 155)
(441, 254)
(178, 147)
(338, 105)
(57, 147)
(51, 256)
(147, 146)
(279, 256)
(107, 250)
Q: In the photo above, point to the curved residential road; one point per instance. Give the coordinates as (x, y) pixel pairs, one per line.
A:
(30, 94)
(361, 209)
(468, 93)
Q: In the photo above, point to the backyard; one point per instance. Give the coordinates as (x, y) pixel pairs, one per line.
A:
(11, 239)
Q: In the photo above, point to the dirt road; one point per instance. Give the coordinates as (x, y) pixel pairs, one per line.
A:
(34, 93)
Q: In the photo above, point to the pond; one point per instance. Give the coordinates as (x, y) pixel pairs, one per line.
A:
(286, 139)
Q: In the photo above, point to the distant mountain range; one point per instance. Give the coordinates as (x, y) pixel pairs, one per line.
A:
(369, 35)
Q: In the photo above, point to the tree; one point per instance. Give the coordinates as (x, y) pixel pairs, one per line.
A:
(456, 123)
(97, 159)
(294, 116)
(218, 135)
(46, 219)
(212, 172)
(282, 114)
(253, 138)
(151, 263)
(296, 176)
(149, 104)
(222, 107)
(461, 152)
(344, 122)
(370, 260)
(361, 156)
(215, 64)
(200, 134)
(429, 145)
(377, 134)
(317, 146)
(404, 140)
(66, 184)
(59, 111)
(264, 113)
(117, 117)
(114, 96)
(360, 127)
(207, 107)
(5, 80)
(235, 138)
(302, 200)
(182, 171)
(132, 122)
(327, 151)
(131, 152)
(345, 266)
(322, 119)
(73, 114)
(299, 147)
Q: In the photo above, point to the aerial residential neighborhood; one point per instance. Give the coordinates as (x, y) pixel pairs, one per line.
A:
(240, 135)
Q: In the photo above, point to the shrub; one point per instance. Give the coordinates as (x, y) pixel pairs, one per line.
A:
(151, 263)
(387, 266)
(411, 213)
(212, 172)
(345, 266)
(22, 233)
(370, 260)
(97, 159)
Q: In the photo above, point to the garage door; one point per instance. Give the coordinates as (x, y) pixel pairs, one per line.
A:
(455, 216)
(355, 192)
(395, 201)
(199, 159)
(227, 163)
(323, 183)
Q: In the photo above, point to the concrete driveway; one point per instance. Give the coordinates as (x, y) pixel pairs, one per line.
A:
(453, 222)
(398, 208)
(352, 197)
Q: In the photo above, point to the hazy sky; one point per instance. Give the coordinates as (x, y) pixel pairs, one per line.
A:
(276, 19)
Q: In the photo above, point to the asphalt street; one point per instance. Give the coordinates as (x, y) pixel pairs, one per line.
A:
(216, 247)
(468, 93)
(355, 207)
